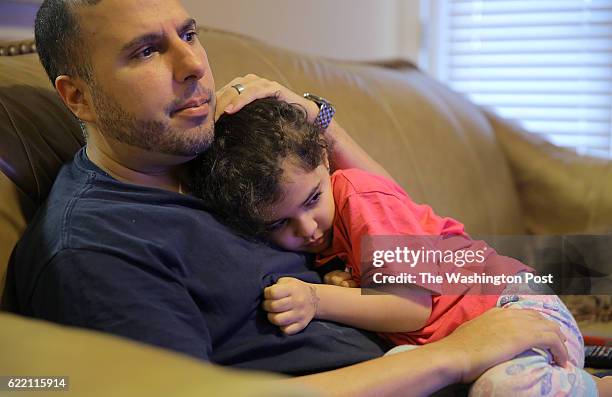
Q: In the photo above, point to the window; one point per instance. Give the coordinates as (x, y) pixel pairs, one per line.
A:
(544, 63)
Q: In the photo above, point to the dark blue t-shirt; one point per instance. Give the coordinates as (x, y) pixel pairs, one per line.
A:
(152, 265)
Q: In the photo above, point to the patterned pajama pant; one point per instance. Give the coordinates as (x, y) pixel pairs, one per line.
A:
(533, 373)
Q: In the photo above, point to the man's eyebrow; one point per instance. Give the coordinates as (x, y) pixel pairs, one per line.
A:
(141, 40)
(189, 23)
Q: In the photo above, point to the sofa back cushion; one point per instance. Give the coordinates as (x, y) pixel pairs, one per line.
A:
(37, 135)
(438, 145)
(561, 191)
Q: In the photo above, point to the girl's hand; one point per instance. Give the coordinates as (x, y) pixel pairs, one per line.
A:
(291, 304)
(339, 278)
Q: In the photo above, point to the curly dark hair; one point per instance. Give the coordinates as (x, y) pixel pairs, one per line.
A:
(239, 176)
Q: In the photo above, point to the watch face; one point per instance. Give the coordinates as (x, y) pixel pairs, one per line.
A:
(315, 98)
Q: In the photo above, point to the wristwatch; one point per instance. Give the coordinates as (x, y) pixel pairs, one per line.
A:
(326, 111)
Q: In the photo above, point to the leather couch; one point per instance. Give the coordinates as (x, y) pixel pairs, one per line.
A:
(461, 159)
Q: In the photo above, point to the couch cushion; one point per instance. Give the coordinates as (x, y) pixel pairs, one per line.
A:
(102, 365)
(38, 133)
(15, 209)
(561, 192)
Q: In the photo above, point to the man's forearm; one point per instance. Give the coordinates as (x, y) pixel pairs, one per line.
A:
(475, 346)
(346, 153)
(419, 372)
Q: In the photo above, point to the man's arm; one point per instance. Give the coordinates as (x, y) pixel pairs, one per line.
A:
(345, 152)
(496, 336)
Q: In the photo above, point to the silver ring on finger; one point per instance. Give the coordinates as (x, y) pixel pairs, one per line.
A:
(238, 87)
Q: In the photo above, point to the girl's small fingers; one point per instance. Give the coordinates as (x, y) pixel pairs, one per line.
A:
(292, 329)
(277, 305)
(336, 277)
(282, 319)
(276, 291)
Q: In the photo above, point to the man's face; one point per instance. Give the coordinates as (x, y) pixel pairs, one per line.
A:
(152, 86)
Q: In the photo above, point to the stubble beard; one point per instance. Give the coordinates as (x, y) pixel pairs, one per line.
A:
(151, 135)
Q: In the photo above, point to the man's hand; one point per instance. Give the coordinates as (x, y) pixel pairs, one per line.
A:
(343, 153)
(255, 87)
(339, 278)
(499, 335)
(291, 304)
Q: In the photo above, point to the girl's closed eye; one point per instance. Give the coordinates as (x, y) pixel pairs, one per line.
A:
(276, 225)
(315, 199)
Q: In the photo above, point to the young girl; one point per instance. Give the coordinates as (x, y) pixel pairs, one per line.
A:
(267, 177)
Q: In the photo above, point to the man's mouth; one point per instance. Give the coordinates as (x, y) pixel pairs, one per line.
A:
(195, 107)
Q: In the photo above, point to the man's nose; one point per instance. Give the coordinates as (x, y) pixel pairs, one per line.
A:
(306, 226)
(189, 63)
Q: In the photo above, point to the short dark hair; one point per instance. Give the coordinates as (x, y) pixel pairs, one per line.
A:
(59, 40)
(239, 175)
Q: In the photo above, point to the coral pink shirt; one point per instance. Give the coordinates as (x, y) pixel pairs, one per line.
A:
(370, 205)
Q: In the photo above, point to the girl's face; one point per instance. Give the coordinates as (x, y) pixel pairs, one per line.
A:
(302, 219)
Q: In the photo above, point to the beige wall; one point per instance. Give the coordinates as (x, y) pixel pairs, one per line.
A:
(17, 19)
(343, 29)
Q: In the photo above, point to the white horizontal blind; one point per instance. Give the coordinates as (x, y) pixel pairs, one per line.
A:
(544, 63)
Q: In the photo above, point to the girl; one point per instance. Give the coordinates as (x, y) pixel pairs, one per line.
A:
(267, 177)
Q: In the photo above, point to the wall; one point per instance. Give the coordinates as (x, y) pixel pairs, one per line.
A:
(342, 29)
(17, 18)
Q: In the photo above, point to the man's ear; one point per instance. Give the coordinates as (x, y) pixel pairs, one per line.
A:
(73, 93)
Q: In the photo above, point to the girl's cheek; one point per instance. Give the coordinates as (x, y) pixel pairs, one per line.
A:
(283, 240)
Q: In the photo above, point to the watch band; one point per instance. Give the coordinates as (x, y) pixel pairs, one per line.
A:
(326, 111)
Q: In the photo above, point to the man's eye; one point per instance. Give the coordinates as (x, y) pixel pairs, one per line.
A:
(190, 36)
(146, 53)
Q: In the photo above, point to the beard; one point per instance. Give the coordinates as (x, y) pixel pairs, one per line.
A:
(151, 135)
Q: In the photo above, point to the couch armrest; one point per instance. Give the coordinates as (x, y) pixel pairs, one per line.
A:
(15, 209)
(560, 191)
(102, 365)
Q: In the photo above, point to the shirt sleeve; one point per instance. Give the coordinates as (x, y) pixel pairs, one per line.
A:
(104, 292)
(385, 219)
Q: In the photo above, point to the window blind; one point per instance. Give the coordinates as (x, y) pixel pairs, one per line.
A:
(544, 63)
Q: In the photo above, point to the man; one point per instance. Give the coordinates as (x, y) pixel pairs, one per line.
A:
(119, 247)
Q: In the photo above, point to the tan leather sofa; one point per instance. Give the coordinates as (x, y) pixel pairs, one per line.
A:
(442, 149)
